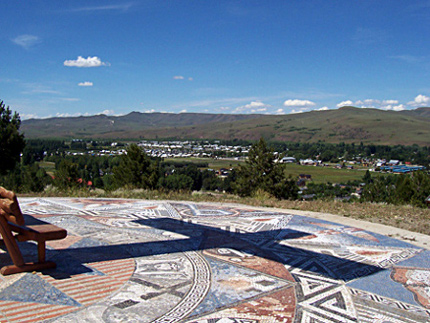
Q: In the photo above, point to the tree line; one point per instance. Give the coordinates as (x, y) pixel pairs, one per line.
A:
(136, 170)
(260, 173)
(332, 152)
(328, 152)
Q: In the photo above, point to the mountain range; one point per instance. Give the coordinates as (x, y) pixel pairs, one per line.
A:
(347, 124)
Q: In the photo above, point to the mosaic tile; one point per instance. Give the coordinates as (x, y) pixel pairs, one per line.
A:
(232, 284)
(32, 288)
(382, 284)
(160, 261)
(275, 307)
(415, 280)
(322, 231)
(421, 259)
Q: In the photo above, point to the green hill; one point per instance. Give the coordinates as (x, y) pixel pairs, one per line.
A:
(347, 124)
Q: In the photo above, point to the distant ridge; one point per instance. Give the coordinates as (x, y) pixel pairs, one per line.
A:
(422, 112)
(347, 124)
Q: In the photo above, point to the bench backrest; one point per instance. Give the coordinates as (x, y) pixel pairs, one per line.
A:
(9, 207)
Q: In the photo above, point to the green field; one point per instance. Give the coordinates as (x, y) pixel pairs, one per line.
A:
(326, 174)
(48, 166)
(319, 174)
(212, 163)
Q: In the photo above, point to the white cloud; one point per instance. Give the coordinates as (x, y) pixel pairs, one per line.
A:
(86, 114)
(409, 58)
(259, 110)
(180, 77)
(390, 102)
(183, 111)
(25, 116)
(70, 99)
(85, 62)
(214, 102)
(323, 109)
(420, 101)
(254, 104)
(372, 104)
(301, 110)
(399, 107)
(345, 103)
(253, 107)
(298, 103)
(41, 90)
(120, 7)
(66, 115)
(150, 111)
(26, 41)
(224, 108)
(280, 111)
(107, 112)
(85, 83)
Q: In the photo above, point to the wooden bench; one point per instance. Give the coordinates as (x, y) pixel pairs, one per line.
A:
(12, 228)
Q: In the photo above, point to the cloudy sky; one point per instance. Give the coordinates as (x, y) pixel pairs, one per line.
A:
(67, 58)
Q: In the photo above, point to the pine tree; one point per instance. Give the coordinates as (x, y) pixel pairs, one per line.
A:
(66, 175)
(136, 169)
(261, 171)
(11, 141)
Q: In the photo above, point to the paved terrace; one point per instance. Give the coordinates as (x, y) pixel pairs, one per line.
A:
(154, 261)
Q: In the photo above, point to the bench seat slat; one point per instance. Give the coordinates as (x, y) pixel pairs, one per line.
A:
(44, 232)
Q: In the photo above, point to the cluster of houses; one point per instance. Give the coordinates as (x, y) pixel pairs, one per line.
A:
(401, 169)
(395, 166)
(178, 149)
(103, 152)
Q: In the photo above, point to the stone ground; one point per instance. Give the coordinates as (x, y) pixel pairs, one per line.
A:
(164, 261)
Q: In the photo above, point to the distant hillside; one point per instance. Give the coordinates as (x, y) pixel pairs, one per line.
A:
(347, 124)
(127, 126)
(420, 112)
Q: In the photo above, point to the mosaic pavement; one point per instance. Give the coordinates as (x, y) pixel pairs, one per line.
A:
(152, 261)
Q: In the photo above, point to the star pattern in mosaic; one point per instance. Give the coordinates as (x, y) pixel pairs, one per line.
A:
(159, 261)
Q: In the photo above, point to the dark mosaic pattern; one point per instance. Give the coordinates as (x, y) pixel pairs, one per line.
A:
(151, 261)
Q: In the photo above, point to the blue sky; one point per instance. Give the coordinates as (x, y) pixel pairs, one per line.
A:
(68, 58)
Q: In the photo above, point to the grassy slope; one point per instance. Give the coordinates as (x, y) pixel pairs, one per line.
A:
(132, 125)
(343, 125)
